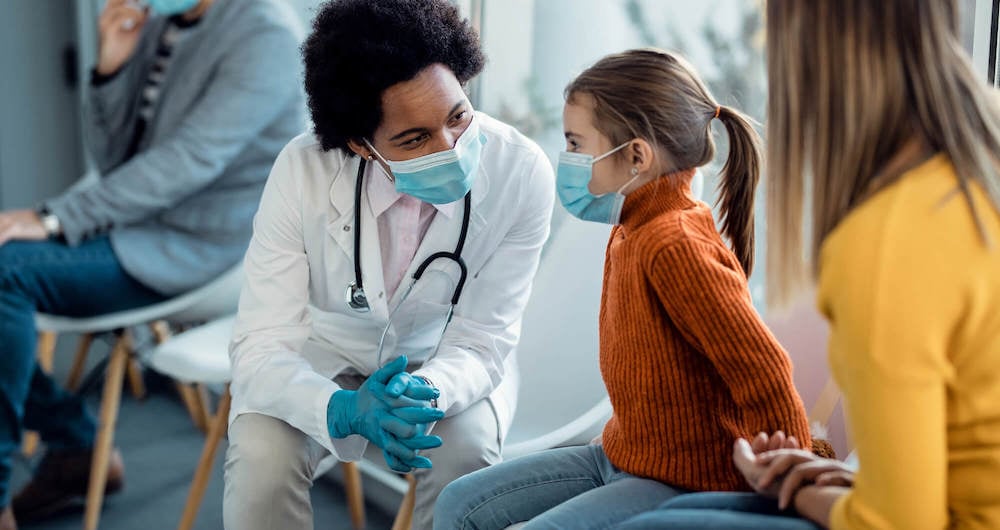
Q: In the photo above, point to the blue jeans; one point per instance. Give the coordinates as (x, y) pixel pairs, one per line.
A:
(719, 511)
(570, 487)
(54, 278)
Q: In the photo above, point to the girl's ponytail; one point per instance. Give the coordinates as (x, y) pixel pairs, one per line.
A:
(739, 181)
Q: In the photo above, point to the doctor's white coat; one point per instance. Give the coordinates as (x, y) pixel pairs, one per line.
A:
(295, 332)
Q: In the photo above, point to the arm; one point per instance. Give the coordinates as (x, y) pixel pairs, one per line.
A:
(709, 301)
(270, 376)
(890, 303)
(469, 364)
(815, 502)
(251, 85)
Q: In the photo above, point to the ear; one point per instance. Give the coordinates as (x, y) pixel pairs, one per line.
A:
(360, 149)
(641, 155)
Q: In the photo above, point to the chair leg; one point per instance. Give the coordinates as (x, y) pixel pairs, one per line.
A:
(79, 362)
(110, 402)
(203, 472)
(190, 399)
(45, 356)
(161, 331)
(135, 382)
(404, 518)
(355, 494)
(203, 403)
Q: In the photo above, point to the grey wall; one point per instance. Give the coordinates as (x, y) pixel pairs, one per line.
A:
(40, 148)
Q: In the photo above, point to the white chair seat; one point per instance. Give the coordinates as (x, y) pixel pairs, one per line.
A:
(199, 355)
(218, 297)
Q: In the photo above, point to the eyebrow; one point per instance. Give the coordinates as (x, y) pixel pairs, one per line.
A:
(422, 129)
(571, 134)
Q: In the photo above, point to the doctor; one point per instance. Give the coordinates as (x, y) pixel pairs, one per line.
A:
(392, 257)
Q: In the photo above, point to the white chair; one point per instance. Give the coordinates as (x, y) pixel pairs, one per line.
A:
(216, 298)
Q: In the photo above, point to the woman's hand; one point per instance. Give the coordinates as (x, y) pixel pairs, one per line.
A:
(119, 28)
(818, 471)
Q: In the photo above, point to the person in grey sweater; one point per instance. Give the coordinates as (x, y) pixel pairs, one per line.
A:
(189, 104)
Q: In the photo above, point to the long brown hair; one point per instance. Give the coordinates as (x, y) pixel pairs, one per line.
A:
(851, 83)
(657, 96)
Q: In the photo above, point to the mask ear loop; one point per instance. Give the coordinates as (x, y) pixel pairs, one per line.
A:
(635, 175)
(383, 165)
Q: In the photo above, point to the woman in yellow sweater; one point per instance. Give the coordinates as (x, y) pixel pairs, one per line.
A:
(884, 110)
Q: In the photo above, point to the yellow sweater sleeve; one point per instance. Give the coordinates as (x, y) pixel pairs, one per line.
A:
(890, 287)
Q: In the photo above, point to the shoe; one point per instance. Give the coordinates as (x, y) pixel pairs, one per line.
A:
(60, 481)
(7, 521)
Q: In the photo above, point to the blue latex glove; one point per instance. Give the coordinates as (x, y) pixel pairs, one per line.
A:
(394, 423)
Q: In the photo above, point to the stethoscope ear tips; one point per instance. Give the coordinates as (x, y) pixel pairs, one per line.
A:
(356, 299)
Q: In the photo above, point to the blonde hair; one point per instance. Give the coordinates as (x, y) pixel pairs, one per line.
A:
(657, 96)
(851, 82)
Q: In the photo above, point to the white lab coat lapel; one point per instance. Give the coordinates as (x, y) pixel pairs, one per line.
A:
(342, 198)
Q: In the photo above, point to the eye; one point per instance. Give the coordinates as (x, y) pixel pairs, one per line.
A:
(572, 145)
(459, 117)
(415, 141)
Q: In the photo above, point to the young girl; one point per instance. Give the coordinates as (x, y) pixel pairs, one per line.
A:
(901, 137)
(687, 361)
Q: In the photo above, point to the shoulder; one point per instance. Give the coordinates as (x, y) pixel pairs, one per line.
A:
(304, 164)
(246, 18)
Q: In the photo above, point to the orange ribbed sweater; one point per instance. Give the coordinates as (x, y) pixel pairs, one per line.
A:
(687, 361)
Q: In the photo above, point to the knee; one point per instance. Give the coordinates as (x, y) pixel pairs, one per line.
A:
(452, 508)
(267, 454)
(465, 452)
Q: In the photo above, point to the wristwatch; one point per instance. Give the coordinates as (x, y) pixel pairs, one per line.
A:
(53, 228)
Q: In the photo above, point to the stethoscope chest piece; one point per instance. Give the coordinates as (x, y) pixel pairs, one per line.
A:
(356, 299)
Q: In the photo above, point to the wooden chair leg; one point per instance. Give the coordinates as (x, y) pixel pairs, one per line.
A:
(110, 402)
(203, 403)
(404, 518)
(190, 399)
(161, 331)
(204, 470)
(135, 382)
(45, 356)
(79, 362)
(355, 494)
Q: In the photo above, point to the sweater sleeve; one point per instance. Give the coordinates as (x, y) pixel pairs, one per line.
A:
(705, 294)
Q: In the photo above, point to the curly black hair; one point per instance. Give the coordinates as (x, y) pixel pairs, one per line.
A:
(359, 48)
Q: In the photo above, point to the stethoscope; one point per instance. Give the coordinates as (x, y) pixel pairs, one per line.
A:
(355, 295)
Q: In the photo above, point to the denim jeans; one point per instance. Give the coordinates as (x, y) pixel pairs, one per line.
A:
(718, 511)
(51, 277)
(570, 487)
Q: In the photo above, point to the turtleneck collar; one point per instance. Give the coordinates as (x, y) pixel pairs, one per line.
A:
(662, 194)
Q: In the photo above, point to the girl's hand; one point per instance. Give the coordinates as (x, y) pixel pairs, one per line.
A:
(763, 443)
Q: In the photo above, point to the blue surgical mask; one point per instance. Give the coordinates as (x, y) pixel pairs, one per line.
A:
(572, 179)
(171, 7)
(443, 177)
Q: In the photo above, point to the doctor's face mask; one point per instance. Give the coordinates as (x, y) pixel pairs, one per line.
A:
(442, 177)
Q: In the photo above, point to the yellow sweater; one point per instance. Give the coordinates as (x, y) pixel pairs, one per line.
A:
(912, 294)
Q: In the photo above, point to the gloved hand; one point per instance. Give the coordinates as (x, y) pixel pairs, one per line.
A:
(394, 423)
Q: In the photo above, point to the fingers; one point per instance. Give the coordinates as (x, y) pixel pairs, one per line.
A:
(395, 464)
(393, 367)
(421, 391)
(123, 17)
(838, 477)
(418, 414)
(777, 441)
(743, 452)
(759, 443)
(800, 476)
(398, 384)
(422, 442)
(791, 443)
(778, 467)
(404, 454)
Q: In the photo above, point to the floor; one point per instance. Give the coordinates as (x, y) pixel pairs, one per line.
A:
(161, 447)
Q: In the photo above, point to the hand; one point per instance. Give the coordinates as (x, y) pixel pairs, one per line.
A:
(120, 26)
(22, 225)
(803, 472)
(394, 424)
(763, 443)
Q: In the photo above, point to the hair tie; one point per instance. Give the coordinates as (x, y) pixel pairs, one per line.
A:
(718, 109)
